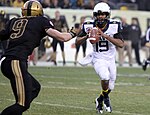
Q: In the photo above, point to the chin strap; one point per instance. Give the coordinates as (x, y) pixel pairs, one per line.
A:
(101, 24)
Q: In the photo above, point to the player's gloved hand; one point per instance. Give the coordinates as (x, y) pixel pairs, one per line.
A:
(73, 32)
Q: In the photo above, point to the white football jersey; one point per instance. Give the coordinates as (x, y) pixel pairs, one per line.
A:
(104, 49)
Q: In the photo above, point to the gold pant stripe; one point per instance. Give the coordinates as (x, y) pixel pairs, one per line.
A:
(22, 83)
(19, 82)
(12, 65)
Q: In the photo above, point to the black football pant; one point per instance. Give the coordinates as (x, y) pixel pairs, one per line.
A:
(25, 87)
(54, 45)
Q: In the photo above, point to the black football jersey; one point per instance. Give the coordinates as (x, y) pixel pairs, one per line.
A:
(24, 35)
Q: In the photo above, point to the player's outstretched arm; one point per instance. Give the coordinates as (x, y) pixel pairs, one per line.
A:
(61, 36)
(81, 38)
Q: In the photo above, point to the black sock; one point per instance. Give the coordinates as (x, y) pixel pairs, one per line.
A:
(105, 93)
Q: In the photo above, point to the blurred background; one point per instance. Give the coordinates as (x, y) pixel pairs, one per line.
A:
(68, 13)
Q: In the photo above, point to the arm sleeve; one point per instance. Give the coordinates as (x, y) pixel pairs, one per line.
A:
(81, 33)
(47, 23)
(119, 34)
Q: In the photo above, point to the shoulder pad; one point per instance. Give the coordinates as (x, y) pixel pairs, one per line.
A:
(88, 21)
(88, 24)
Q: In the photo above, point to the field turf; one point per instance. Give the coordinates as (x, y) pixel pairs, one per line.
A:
(72, 91)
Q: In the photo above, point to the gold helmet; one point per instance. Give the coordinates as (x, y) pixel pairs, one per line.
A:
(47, 43)
(32, 8)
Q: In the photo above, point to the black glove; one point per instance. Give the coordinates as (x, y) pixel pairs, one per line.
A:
(73, 32)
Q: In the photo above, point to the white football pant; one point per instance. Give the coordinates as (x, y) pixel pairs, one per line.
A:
(106, 70)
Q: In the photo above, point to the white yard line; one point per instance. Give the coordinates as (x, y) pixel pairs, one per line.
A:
(118, 84)
(75, 107)
(75, 88)
(121, 75)
(134, 75)
(59, 83)
(88, 89)
(4, 84)
(129, 84)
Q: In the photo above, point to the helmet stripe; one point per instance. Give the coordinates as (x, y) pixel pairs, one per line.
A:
(29, 8)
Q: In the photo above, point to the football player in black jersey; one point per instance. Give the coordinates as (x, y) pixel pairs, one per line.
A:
(24, 34)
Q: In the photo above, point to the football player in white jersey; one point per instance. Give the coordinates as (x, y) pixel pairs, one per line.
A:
(103, 55)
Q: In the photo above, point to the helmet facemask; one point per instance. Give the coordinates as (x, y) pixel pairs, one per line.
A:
(101, 22)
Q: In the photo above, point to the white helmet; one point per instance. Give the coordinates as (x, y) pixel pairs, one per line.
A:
(101, 8)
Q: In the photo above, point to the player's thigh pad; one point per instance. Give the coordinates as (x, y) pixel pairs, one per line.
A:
(101, 68)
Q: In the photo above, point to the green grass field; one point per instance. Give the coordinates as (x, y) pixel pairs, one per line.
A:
(72, 91)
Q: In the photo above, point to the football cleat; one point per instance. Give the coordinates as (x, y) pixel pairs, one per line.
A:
(144, 65)
(107, 105)
(99, 105)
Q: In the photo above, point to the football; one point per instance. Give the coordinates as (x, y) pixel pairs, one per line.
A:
(93, 36)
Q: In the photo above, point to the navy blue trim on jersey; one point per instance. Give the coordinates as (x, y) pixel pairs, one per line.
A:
(119, 25)
(118, 36)
(87, 22)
